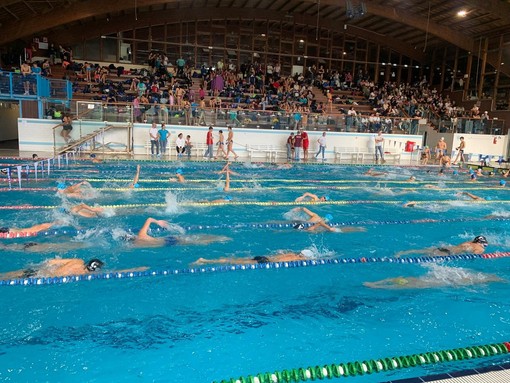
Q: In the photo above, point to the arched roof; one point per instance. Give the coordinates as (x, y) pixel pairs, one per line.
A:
(411, 27)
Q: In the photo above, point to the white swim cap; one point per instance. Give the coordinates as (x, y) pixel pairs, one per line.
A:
(307, 253)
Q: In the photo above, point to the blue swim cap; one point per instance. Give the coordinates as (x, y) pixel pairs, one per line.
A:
(61, 186)
(488, 198)
(178, 171)
(228, 198)
(455, 172)
(326, 198)
(502, 182)
(136, 185)
(328, 217)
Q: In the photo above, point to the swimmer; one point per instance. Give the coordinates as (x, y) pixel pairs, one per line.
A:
(227, 172)
(502, 183)
(284, 166)
(411, 179)
(135, 183)
(322, 223)
(445, 161)
(370, 172)
(33, 229)
(311, 197)
(472, 196)
(76, 190)
(225, 199)
(86, 211)
(178, 177)
(61, 267)
(432, 282)
(410, 204)
(143, 239)
(281, 257)
(476, 246)
(94, 159)
(41, 247)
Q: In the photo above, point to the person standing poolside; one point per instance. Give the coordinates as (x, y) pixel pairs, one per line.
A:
(425, 155)
(180, 145)
(230, 143)
(290, 147)
(163, 135)
(298, 144)
(306, 144)
(281, 257)
(221, 145)
(460, 153)
(379, 141)
(188, 145)
(322, 145)
(154, 137)
(143, 239)
(476, 246)
(209, 141)
(441, 148)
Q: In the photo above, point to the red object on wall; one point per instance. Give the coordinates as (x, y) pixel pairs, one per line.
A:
(410, 146)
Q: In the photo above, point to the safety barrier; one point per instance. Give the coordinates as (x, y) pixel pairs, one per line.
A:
(264, 226)
(351, 369)
(271, 265)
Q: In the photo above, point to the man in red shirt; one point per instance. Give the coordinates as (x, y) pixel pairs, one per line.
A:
(210, 143)
(306, 144)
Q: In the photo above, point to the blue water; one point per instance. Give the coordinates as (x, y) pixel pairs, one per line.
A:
(214, 326)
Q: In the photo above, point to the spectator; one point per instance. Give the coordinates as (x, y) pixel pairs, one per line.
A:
(163, 135)
(379, 141)
(290, 147)
(180, 145)
(154, 137)
(188, 146)
(209, 141)
(322, 145)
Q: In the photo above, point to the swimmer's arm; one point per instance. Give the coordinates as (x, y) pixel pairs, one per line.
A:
(307, 211)
(145, 228)
(142, 268)
(137, 176)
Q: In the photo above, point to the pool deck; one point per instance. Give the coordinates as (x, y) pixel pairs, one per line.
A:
(491, 374)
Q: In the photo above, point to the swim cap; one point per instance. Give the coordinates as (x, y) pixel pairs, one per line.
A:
(4, 230)
(326, 198)
(307, 253)
(92, 155)
(178, 171)
(137, 185)
(228, 198)
(328, 217)
(502, 182)
(94, 264)
(61, 185)
(481, 240)
(455, 172)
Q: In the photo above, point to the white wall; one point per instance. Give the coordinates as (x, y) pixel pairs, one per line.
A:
(37, 135)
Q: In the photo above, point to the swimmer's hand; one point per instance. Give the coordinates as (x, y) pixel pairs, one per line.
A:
(164, 224)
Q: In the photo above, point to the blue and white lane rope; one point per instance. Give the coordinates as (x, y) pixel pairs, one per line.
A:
(212, 269)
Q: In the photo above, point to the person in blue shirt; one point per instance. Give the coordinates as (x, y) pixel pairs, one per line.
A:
(163, 138)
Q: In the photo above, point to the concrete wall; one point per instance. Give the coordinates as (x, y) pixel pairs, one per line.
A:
(37, 136)
(9, 114)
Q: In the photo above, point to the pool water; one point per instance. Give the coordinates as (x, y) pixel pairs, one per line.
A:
(200, 327)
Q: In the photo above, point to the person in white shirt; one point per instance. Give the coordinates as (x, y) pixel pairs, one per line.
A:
(180, 145)
(322, 145)
(154, 137)
(379, 140)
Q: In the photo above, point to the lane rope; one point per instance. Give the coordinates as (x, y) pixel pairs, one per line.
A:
(272, 265)
(352, 369)
(261, 226)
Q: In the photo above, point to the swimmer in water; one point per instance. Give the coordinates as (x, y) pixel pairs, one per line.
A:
(61, 268)
(143, 239)
(226, 199)
(178, 177)
(42, 247)
(429, 282)
(280, 257)
(135, 183)
(311, 197)
(80, 190)
(372, 173)
(33, 229)
(472, 196)
(476, 246)
(320, 223)
(86, 211)
(226, 170)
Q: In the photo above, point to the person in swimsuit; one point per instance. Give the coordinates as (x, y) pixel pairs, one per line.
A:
(476, 246)
(82, 189)
(430, 281)
(178, 177)
(281, 257)
(135, 183)
(311, 197)
(144, 239)
(61, 267)
(85, 210)
(230, 143)
(221, 145)
(226, 170)
(33, 229)
(320, 223)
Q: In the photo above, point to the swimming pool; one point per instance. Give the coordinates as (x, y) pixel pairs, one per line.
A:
(217, 323)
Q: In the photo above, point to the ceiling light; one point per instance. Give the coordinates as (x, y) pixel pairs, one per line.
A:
(462, 13)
